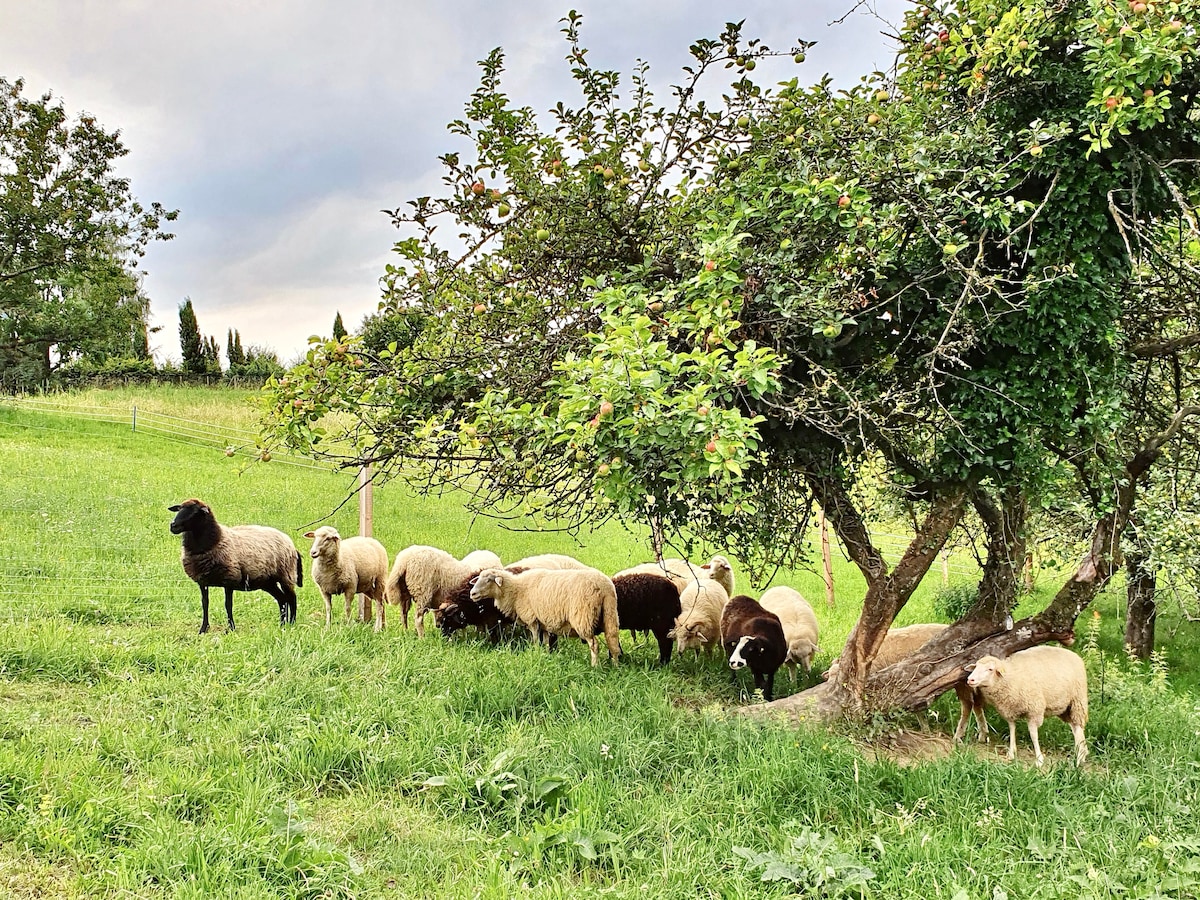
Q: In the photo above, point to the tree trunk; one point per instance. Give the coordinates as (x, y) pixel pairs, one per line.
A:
(917, 681)
(1141, 608)
(1005, 524)
(887, 592)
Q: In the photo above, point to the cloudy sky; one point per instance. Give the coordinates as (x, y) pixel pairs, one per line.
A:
(281, 129)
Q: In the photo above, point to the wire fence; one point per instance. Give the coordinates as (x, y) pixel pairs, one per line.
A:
(233, 441)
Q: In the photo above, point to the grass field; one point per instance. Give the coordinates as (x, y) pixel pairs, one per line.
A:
(139, 759)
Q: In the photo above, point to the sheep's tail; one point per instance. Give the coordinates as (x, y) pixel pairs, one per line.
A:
(395, 590)
(299, 570)
(611, 624)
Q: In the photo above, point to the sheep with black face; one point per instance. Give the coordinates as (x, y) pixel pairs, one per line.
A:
(753, 639)
(237, 558)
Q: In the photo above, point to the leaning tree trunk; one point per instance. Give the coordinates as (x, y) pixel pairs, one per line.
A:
(887, 592)
(1141, 607)
(917, 681)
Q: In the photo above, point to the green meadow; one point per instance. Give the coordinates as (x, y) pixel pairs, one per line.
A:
(140, 759)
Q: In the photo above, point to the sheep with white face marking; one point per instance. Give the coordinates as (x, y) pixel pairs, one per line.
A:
(682, 573)
(698, 625)
(901, 643)
(237, 558)
(556, 601)
(422, 576)
(350, 566)
(1032, 684)
(800, 627)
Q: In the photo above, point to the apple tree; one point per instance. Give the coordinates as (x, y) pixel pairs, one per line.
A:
(707, 316)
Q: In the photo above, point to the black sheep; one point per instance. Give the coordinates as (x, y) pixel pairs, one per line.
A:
(648, 602)
(237, 558)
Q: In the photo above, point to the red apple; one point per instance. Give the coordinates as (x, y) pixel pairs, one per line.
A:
(477, 188)
(710, 447)
(710, 265)
(605, 407)
(1112, 102)
(844, 201)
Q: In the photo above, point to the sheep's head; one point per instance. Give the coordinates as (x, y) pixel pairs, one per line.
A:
(488, 583)
(189, 515)
(984, 671)
(450, 617)
(326, 541)
(718, 567)
(803, 651)
(689, 636)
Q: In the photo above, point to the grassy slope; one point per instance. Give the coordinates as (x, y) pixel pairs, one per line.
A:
(139, 759)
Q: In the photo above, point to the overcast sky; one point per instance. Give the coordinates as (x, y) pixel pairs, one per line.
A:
(281, 129)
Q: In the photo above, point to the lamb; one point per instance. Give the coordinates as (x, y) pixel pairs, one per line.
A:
(557, 601)
(421, 576)
(900, 643)
(753, 638)
(1031, 683)
(237, 558)
(648, 603)
(682, 573)
(698, 625)
(799, 626)
(353, 565)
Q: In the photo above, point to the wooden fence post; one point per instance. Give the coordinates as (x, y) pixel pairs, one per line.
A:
(826, 559)
(366, 501)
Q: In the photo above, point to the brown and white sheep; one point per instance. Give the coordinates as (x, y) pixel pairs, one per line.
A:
(421, 576)
(556, 601)
(899, 644)
(800, 626)
(237, 558)
(698, 625)
(753, 638)
(1031, 684)
(350, 566)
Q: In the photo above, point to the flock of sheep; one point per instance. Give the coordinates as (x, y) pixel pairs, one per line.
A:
(685, 606)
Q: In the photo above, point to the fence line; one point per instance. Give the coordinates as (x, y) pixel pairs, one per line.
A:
(205, 435)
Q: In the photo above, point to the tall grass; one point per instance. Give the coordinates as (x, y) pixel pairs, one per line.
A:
(139, 759)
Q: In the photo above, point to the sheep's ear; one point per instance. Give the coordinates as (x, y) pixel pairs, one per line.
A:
(176, 508)
(499, 581)
(969, 667)
(310, 534)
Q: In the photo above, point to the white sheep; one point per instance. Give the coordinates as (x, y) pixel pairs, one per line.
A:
(556, 601)
(698, 625)
(422, 576)
(682, 573)
(800, 627)
(545, 561)
(353, 565)
(900, 643)
(1031, 684)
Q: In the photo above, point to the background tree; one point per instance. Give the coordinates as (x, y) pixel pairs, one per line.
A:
(212, 356)
(708, 317)
(70, 235)
(191, 344)
(339, 330)
(233, 349)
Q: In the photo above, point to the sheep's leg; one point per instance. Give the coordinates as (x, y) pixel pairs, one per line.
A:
(419, 614)
(980, 718)
(769, 690)
(1033, 737)
(1081, 750)
(964, 705)
(1012, 738)
(348, 605)
(379, 616)
(328, 598)
(791, 665)
(594, 647)
(229, 606)
(665, 646)
(203, 609)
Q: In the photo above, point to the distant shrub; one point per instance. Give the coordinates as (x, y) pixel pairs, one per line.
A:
(952, 603)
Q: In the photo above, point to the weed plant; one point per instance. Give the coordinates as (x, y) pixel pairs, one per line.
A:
(140, 759)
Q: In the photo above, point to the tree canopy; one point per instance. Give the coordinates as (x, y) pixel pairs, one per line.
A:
(71, 232)
(707, 316)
